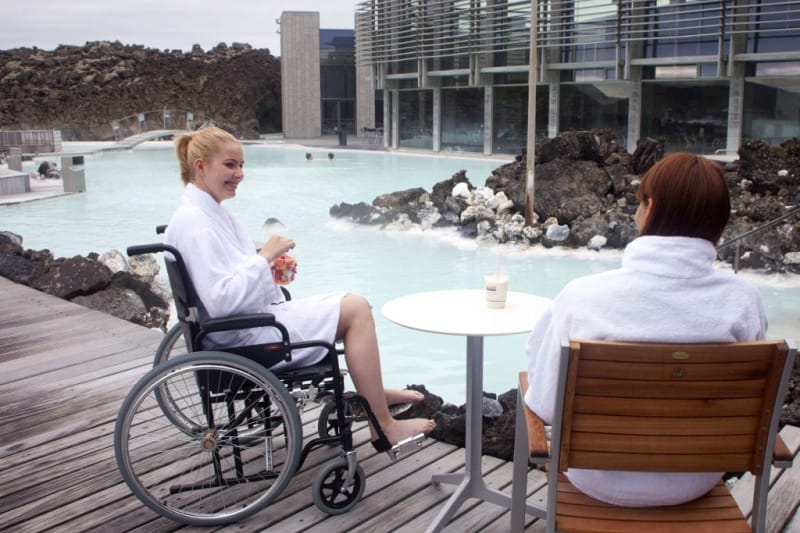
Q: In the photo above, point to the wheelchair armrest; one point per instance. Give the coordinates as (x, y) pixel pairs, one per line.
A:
(229, 323)
(537, 435)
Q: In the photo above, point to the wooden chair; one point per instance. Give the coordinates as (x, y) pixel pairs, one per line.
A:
(657, 408)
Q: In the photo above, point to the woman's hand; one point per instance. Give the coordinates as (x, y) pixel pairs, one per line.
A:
(275, 247)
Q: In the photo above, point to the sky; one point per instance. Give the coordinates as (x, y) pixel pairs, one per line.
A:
(161, 24)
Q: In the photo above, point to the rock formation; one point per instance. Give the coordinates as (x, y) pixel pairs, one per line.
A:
(109, 283)
(81, 90)
(585, 196)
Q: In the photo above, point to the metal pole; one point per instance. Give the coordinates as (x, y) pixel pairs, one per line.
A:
(531, 146)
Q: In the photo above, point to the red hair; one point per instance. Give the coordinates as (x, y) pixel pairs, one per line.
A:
(689, 196)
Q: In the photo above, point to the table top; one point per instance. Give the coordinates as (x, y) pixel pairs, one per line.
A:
(464, 312)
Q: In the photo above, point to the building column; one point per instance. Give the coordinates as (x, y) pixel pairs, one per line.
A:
(735, 72)
(387, 118)
(552, 118)
(735, 113)
(300, 75)
(395, 94)
(488, 119)
(634, 115)
(437, 119)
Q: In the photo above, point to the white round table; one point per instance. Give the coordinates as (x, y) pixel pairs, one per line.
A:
(464, 312)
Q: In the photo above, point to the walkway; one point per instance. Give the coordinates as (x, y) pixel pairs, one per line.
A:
(64, 370)
(129, 142)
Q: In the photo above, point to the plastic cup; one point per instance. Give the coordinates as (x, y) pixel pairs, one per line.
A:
(496, 290)
(284, 270)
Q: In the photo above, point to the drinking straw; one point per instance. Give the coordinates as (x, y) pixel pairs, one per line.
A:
(498, 267)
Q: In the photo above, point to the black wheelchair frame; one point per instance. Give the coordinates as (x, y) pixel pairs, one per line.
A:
(214, 408)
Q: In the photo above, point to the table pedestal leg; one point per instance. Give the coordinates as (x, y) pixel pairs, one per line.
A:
(470, 483)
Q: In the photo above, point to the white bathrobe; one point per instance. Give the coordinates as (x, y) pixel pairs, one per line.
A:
(666, 291)
(232, 279)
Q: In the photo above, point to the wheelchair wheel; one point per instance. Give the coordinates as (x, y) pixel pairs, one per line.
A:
(167, 344)
(329, 491)
(236, 454)
(168, 399)
(327, 425)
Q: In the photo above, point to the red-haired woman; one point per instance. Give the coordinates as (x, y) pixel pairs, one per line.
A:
(667, 290)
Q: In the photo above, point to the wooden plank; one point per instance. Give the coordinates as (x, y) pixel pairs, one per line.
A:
(666, 408)
(438, 496)
(64, 371)
(784, 493)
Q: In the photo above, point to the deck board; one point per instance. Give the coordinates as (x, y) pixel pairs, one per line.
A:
(64, 371)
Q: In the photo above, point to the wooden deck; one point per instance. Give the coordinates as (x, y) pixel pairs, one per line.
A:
(64, 371)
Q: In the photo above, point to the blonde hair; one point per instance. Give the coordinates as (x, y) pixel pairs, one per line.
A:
(200, 144)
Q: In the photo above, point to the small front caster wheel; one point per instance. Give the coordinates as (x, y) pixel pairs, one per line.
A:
(329, 491)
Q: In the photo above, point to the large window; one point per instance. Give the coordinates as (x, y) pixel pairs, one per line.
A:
(511, 118)
(462, 120)
(691, 116)
(416, 119)
(587, 106)
(337, 80)
(680, 29)
(771, 109)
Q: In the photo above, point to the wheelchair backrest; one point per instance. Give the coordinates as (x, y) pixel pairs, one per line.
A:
(187, 303)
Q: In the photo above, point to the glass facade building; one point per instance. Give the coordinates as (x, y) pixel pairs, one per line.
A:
(337, 79)
(703, 75)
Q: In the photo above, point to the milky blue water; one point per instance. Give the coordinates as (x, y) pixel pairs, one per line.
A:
(128, 193)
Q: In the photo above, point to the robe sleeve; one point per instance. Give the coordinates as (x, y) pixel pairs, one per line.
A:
(227, 281)
(543, 350)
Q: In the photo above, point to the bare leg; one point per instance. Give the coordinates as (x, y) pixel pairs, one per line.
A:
(357, 329)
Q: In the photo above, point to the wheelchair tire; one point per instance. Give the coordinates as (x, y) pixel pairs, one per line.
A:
(327, 425)
(329, 491)
(164, 395)
(238, 454)
(167, 344)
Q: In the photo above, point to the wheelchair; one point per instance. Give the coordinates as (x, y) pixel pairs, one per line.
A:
(211, 437)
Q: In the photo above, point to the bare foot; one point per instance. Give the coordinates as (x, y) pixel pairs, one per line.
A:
(397, 396)
(402, 429)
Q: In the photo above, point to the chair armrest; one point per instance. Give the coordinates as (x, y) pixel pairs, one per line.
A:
(782, 456)
(229, 323)
(537, 438)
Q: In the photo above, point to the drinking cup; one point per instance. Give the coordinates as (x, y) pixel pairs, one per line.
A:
(496, 290)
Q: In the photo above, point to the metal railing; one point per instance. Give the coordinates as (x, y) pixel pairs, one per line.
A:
(400, 30)
(737, 240)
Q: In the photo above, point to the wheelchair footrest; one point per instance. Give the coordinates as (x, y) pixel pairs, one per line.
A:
(406, 446)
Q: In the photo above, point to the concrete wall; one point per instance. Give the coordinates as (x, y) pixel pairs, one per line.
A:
(300, 78)
(365, 90)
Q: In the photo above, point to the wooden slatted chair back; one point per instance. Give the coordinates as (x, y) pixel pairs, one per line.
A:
(670, 407)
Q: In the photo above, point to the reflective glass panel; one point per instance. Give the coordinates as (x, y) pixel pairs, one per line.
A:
(691, 116)
(416, 119)
(462, 120)
(586, 106)
(771, 110)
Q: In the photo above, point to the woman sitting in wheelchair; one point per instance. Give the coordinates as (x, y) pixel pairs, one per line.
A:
(231, 277)
(666, 291)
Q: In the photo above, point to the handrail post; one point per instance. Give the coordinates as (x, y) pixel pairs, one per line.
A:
(736, 257)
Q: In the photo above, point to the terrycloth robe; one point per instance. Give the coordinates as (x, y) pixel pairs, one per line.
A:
(666, 291)
(231, 279)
